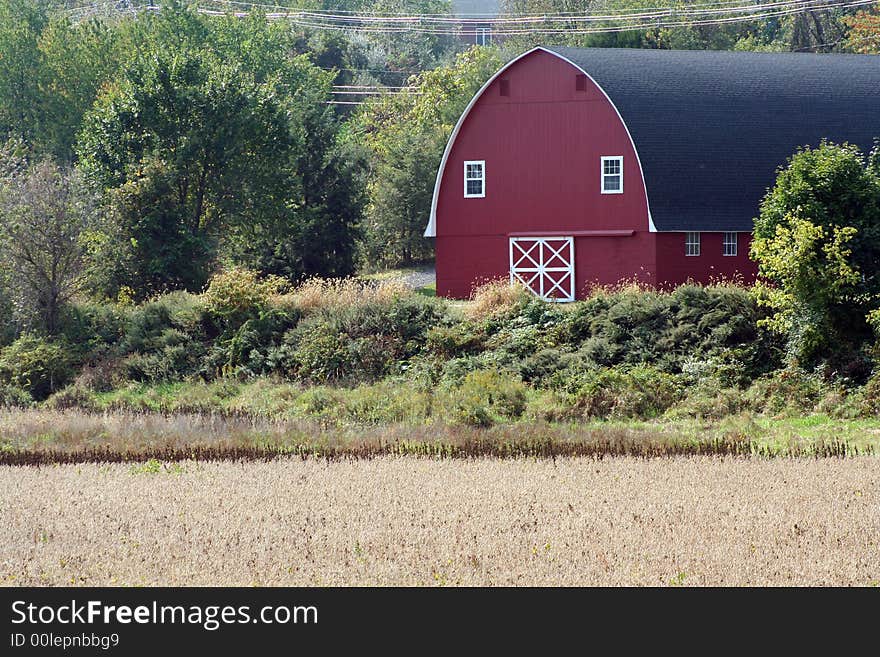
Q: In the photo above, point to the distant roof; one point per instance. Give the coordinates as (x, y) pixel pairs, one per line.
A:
(711, 127)
(476, 8)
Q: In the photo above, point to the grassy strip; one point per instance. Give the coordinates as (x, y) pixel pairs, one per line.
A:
(46, 437)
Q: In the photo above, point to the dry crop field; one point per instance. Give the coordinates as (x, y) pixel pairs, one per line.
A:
(424, 521)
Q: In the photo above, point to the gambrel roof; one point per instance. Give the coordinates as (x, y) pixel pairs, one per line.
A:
(711, 128)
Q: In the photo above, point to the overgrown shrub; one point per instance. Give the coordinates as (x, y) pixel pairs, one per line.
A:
(72, 396)
(450, 341)
(669, 329)
(256, 347)
(618, 392)
(236, 295)
(146, 324)
(789, 391)
(14, 396)
(362, 342)
(165, 338)
(487, 395)
(498, 297)
(36, 365)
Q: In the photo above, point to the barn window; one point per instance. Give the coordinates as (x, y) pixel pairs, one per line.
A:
(580, 82)
(729, 244)
(692, 244)
(504, 87)
(475, 179)
(612, 175)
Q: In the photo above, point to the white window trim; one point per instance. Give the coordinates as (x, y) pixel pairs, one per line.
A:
(482, 164)
(724, 244)
(618, 158)
(699, 243)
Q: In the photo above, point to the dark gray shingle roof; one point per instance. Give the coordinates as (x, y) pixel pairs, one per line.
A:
(712, 127)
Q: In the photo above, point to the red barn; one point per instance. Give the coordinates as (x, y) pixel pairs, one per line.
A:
(574, 167)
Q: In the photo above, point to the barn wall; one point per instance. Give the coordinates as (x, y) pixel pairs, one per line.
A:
(542, 145)
(674, 268)
(598, 260)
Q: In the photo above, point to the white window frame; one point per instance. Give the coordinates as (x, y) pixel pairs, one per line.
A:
(692, 243)
(726, 243)
(602, 174)
(484, 36)
(482, 178)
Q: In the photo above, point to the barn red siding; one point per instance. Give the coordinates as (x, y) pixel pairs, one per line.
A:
(674, 267)
(542, 143)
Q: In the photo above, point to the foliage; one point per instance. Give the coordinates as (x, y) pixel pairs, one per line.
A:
(45, 218)
(405, 135)
(36, 365)
(13, 396)
(52, 70)
(236, 173)
(864, 32)
(485, 395)
(817, 242)
(236, 295)
(617, 392)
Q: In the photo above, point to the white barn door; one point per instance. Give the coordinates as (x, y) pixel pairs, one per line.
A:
(545, 265)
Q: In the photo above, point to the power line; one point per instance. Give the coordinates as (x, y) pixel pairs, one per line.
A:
(533, 24)
(693, 15)
(377, 22)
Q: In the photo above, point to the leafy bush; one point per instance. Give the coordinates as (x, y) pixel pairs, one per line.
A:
(789, 391)
(669, 329)
(147, 323)
(36, 365)
(237, 295)
(363, 342)
(14, 396)
(172, 355)
(72, 396)
(450, 341)
(94, 328)
(709, 399)
(869, 397)
(619, 392)
(486, 395)
(256, 347)
(165, 338)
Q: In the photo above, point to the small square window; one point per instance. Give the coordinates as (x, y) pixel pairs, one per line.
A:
(692, 244)
(730, 246)
(612, 175)
(475, 179)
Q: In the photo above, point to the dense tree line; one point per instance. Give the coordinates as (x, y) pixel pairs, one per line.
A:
(143, 153)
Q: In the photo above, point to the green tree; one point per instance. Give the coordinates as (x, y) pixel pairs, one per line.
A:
(50, 73)
(817, 242)
(217, 143)
(45, 214)
(405, 136)
(21, 22)
(184, 144)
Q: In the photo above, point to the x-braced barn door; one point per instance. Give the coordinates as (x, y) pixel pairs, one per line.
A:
(545, 265)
